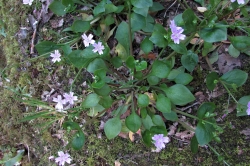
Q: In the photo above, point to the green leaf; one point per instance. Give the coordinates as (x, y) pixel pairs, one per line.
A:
(214, 34)
(137, 22)
(211, 80)
(71, 125)
(183, 78)
(99, 79)
(142, 11)
(93, 111)
(78, 141)
(172, 116)
(106, 101)
(189, 60)
(96, 64)
(103, 91)
(147, 138)
(233, 51)
(46, 47)
(122, 35)
(116, 61)
(175, 72)
(194, 144)
(76, 57)
(91, 100)
(80, 26)
(163, 104)
(234, 77)
(110, 8)
(190, 20)
(158, 39)
(149, 24)
(34, 116)
(156, 7)
(133, 122)
(179, 48)
(160, 69)
(141, 65)
(100, 8)
(157, 120)
(203, 133)
(179, 94)
(241, 43)
(242, 105)
(204, 108)
(58, 8)
(153, 80)
(147, 122)
(158, 130)
(16, 159)
(146, 45)
(143, 100)
(88, 53)
(130, 62)
(143, 112)
(112, 127)
(142, 3)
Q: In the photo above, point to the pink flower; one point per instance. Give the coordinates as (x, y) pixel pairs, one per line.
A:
(63, 157)
(248, 108)
(176, 32)
(87, 39)
(159, 141)
(27, 2)
(69, 97)
(98, 47)
(239, 1)
(56, 56)
(60, 102)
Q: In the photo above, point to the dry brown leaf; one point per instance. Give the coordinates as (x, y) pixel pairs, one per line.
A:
(117, 163)
(131, 136)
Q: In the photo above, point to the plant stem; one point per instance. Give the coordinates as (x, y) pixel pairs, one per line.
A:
(129, 27)
(228, 90)
(75, 79)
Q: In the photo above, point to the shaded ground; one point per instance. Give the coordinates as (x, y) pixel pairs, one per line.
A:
(40, 144)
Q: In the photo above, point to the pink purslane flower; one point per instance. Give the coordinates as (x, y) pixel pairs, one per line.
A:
(239, 1)
(27, 2)
(69, 97)
(98, 47)
(248, 108)
(63, 157)
(56, 56)
(176, 32)
(87, 39)
(60, 102)
(159, 140)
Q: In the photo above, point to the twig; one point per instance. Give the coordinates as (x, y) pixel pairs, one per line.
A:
(34, 33)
